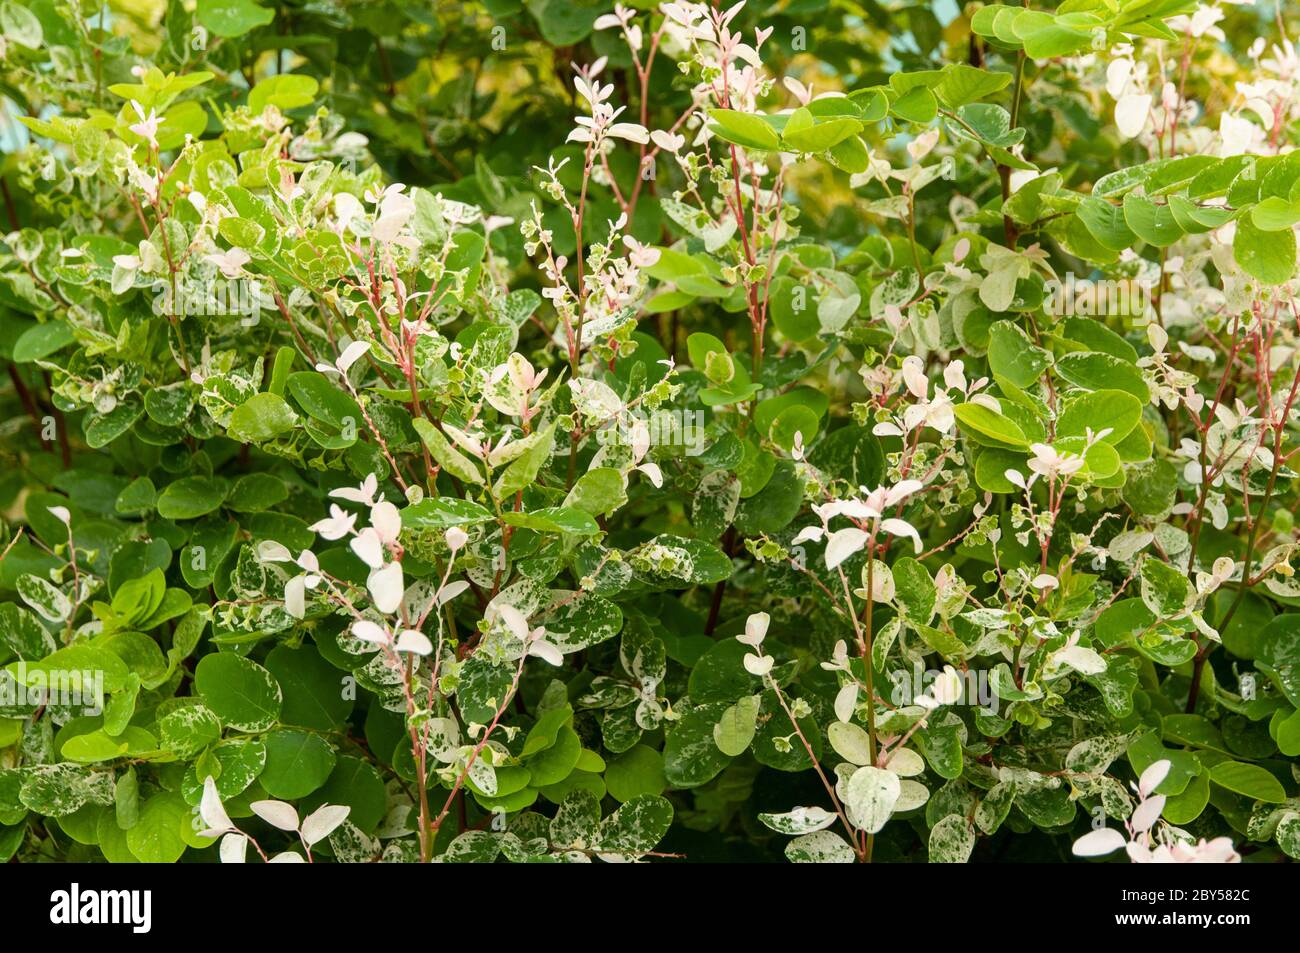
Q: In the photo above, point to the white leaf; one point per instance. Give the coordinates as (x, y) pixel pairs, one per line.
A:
(210, 808)
(906, 763)
(871, 795)
(899, 527)
(1131, 113)
(1097, 843)
(802, 820)
(295, 596)
(843, 544)
(233, 849)
(806, 534)
(451, 591)
(269, 551)
(368, 631)
(1153, 776)
(369, 548)
(277, 814)
(845, 701)
(911, 794)
(1083, 660)
(755, 629)
(546, 651)
(351, 355)
(850, 742)
(1147, 813)
(515, 621)
(386, 521)
(653, 474)
(819, 847)
(386, 587)
(414, 642)
(321, 822)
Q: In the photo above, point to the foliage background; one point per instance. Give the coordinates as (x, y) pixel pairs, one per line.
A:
(468, 101)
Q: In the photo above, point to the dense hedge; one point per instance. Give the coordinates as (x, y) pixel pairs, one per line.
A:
(544, 430)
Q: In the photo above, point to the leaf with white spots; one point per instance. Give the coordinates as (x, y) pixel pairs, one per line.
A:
(820, 847)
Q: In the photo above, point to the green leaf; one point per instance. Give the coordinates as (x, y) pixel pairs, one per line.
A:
(188, 730)
(1106, 223)
(297, 763)
(244, 695)
(1275, 214)
(523, 470)
(990, 427)
(1114, 410)
(41, 340)
(988, 123)
(555, 519)
(443, 512)
(917, 105)
(22, 633)
(1165, 590)
(231, 18)
(255, 492)
(744, 129)
(819, 136)
(261, 418)
(1187, 807)
(599, 492)
(640, 770)
(691, 756)
(962, 84)
(735, 729)
(322, 399)
(1278, 655)
(1248, 779)
(285, 91)
(156, 837)
(1266, 255)
(314, 693)
(191, 497)
(1095, 336)
(103, 429)
(1154, 224)
(1013, 357)
(1096, 371)
(1151, 488)
(447, 456)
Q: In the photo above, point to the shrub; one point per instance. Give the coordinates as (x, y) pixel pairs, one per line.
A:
(778, 433)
